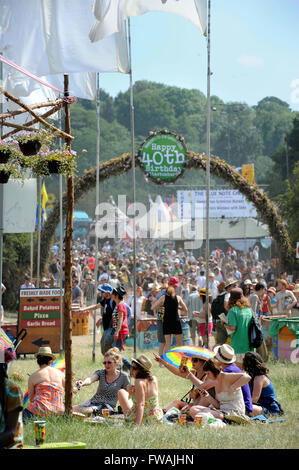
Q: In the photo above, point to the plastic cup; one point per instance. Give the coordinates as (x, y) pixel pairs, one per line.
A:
(198, 421)
(105, 413)
(182, 419)
(40, 431)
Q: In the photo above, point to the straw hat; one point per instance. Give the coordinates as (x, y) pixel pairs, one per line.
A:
(230, 282)
(273, 290)
(143, 361)
(225, 353)
(45, 351)
(296, 288)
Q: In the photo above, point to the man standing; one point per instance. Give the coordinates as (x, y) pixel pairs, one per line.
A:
(286, 300)
(108, 306)
(193, 304)
(76, 293)
(89, 291)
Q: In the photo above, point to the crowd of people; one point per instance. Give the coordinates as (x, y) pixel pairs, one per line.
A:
(170, 288)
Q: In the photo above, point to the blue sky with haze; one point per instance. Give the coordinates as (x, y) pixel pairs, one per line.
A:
(254, 52)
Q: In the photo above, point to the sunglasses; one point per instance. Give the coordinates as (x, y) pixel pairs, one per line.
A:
(195, 359)
(107, 362)
(133, 367)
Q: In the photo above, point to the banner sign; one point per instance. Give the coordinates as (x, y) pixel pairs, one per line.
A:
(223, 203)
(162, 156)
(39, 314)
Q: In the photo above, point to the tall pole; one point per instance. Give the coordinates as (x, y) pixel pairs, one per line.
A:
(96, 214)
(208, 170)
(68, 264)
(1, 198)
(39, 212)
(60, 245)
(133, 186)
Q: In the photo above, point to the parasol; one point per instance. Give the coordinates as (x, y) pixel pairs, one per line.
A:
(174, 355)
(7, 349)
(59, 364)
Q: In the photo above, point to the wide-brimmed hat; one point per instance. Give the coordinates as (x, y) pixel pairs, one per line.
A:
(230, 282)
(225, 353)
(154, 286)
(143, 361)
(173, 281)
(203, 292)
(296, 288)
(45, 351)
(106, 288)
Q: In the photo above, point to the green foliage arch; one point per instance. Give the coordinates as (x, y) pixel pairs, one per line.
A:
(266, 210)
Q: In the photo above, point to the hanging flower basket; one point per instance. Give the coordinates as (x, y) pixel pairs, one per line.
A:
(4, 177)
(31, 147)
(6, 151)
(30, 142)
(61, 162)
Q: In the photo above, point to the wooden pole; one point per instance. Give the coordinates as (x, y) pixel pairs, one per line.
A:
(68, 267)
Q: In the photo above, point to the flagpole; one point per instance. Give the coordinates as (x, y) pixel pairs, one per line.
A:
(38, 231)
(208, 156)
(1, 199)
(96, 213)
(60, 243)
(133, 186)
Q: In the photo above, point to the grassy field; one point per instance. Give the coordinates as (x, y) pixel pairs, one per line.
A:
(285, 435)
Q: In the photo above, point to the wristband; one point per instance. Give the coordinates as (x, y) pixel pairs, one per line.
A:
(188, 375)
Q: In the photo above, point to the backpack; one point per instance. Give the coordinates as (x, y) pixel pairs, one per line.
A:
(255, 333)
(217, 306)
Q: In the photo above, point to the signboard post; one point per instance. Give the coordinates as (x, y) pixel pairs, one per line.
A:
(39, 314)
(297, 250)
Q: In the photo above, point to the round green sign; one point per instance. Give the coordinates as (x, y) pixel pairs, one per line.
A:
(162, 156)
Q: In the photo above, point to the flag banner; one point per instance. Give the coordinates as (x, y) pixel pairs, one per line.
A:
(58, 42)
(111, 14)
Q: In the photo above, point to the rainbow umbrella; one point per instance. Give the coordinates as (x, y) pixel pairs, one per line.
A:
(7, 345)
(174, 355)
(60, 365)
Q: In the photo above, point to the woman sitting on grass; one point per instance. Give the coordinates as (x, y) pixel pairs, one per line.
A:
(144, 407)
(228, 395)
(262, 391)
(111, 380)
(45, 387)
(194, 396)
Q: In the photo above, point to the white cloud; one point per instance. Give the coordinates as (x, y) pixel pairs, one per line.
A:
(250, 61)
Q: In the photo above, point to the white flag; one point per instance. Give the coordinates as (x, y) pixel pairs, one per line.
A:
(111, 14)
(51, 37)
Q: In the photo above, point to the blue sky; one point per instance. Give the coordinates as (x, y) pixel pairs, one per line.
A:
(254, 52)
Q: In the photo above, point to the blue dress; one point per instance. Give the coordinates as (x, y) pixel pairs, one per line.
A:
(268, 401)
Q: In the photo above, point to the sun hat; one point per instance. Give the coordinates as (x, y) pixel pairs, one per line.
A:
(273, 290)
(173, 281)
(230, 282)
(143, 361)
(247, 282)
(106, 288)
(203, 292)
(225, 353)
(45, 351)
(296, 288)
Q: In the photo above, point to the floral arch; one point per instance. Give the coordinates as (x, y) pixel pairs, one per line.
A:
(265, 208)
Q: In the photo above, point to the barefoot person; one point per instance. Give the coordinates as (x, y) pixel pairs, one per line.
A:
(144, 407)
